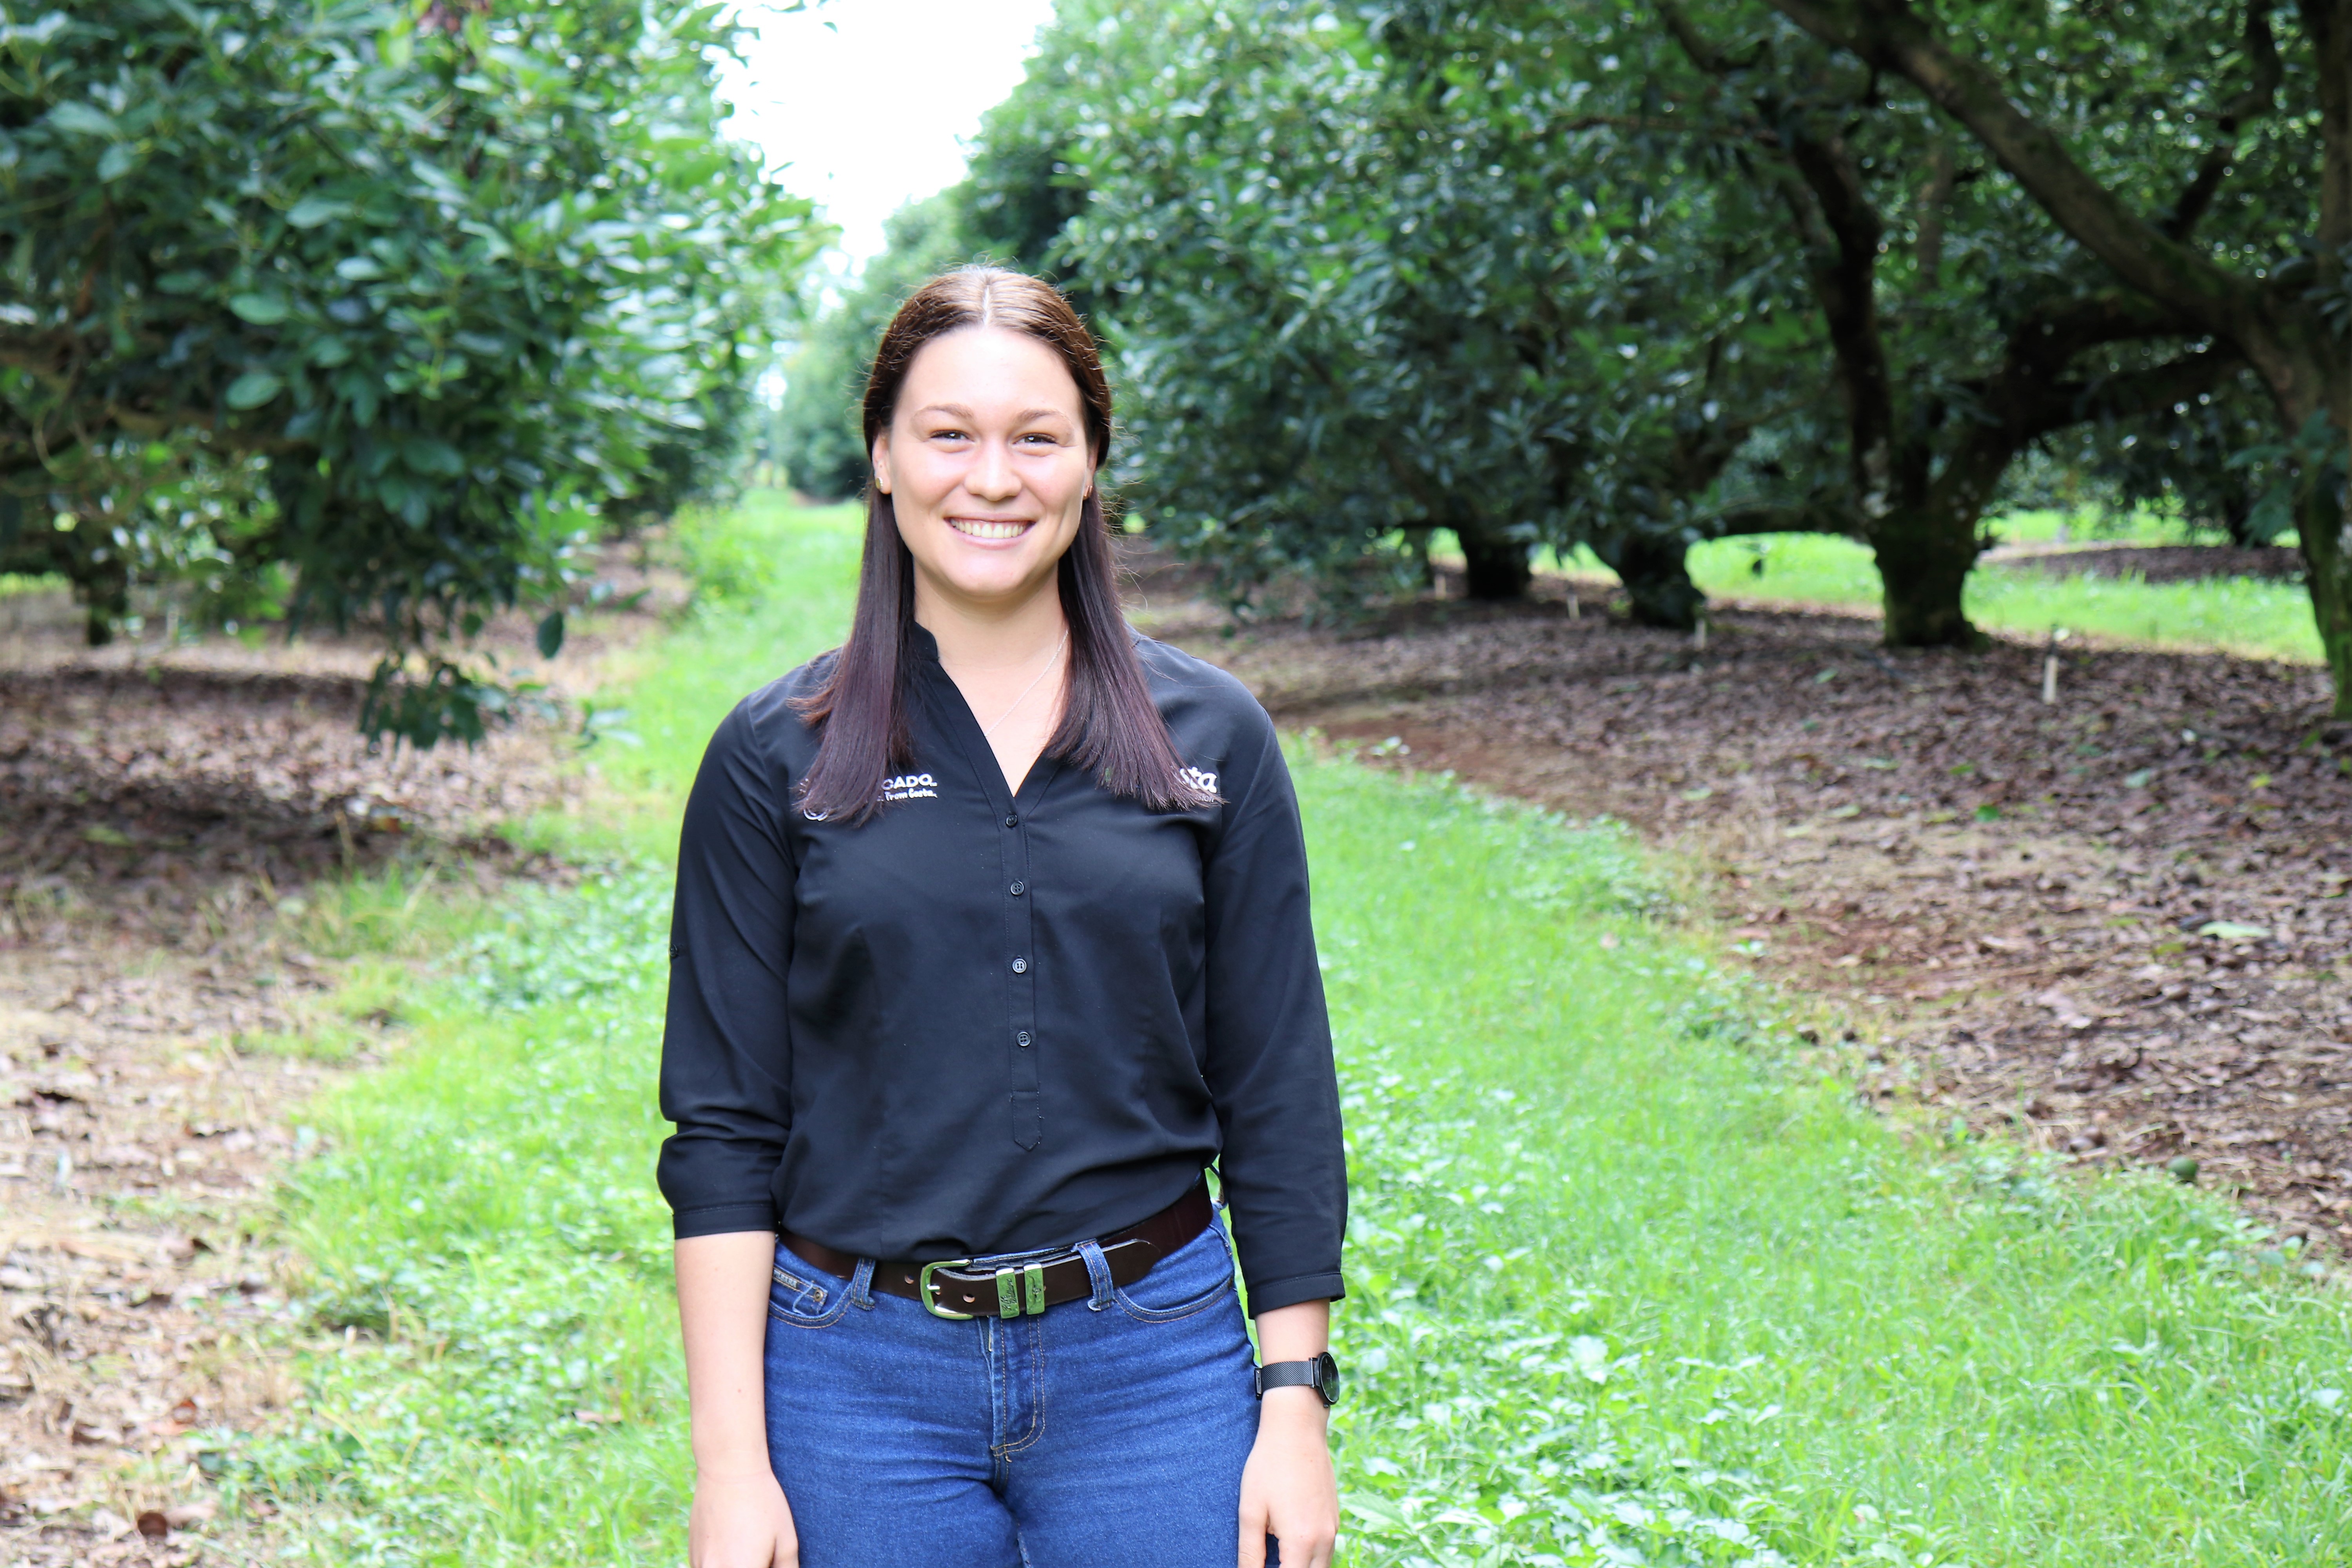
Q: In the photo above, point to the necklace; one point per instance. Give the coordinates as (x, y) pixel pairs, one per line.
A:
(988, 731)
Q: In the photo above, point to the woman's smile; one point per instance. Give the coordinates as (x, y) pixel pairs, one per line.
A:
(992, 530)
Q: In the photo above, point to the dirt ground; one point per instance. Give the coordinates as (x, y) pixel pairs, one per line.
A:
(2117, 921)
(162, 811)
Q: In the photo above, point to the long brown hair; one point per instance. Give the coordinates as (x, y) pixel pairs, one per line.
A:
(1110, 724)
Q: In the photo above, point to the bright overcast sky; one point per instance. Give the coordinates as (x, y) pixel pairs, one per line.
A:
(871, 112)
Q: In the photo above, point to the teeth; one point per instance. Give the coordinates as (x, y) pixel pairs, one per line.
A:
(978, 529)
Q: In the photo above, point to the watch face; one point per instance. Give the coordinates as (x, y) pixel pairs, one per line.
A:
(1327, 1378)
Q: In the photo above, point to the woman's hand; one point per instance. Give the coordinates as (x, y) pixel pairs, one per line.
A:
(742, 1521)
(1287, 1489)
(739, 1518)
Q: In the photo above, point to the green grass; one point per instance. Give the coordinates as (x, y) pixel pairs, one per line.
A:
(1628, 1284)
(487, 1257)
(2241, 614)
(1609, 1240)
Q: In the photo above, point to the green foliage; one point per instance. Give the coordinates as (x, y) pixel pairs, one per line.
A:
(819, 432)
(413, 291)
(1367, 279)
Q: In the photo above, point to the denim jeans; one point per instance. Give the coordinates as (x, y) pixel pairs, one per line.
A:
(1108, 1433)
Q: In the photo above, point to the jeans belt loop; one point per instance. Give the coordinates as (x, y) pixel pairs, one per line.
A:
(1099, 1271)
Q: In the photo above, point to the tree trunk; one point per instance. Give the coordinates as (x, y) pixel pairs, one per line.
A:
(1656, 569)
(1496, 566)
(104, 587)
(1925, 555)
(2326, 532)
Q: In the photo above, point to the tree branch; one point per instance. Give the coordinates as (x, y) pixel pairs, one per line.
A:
(1943, 170)
(2260, 96)
(2035, 408)
(1889, 35)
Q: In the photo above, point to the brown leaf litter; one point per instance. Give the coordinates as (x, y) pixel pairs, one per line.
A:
(2118, 923)
(163, 812)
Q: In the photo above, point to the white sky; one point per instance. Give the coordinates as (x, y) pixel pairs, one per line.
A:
(871, 112)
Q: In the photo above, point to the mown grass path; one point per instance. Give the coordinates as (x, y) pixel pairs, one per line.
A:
(1628, 1284)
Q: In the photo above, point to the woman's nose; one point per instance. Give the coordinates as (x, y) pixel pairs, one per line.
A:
(993, 477)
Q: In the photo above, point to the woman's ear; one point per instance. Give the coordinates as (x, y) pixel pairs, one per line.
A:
(881, 459)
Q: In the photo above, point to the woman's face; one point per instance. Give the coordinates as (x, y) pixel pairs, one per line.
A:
(987, 465)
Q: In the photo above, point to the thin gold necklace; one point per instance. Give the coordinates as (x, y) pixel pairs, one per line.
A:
(988, 731)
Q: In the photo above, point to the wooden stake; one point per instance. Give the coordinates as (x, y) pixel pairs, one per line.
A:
(2050, 670)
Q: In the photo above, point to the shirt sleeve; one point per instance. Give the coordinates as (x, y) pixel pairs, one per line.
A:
(1283, 1168)
(726, 1070)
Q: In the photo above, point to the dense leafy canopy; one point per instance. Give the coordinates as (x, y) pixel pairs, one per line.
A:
(409, 293)
(2202, 151)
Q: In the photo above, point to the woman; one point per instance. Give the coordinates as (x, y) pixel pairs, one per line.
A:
(990, 936)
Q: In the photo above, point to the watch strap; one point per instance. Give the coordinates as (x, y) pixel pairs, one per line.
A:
(1296, 1375)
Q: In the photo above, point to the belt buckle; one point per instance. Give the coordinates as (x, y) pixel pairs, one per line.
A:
(930, 1297)
(1020, 1290)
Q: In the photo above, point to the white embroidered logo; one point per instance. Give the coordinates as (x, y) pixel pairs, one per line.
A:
(1198, 780)
(911, 786)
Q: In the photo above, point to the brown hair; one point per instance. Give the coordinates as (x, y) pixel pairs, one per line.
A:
(1110, 724)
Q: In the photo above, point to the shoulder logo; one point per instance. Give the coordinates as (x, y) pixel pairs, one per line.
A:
(1206, 782)
(911, 786)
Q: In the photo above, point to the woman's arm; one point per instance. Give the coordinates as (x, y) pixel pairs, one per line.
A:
(739, 1519)
(1287, 1488)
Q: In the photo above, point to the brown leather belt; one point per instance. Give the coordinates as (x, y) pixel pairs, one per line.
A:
(952, 1288)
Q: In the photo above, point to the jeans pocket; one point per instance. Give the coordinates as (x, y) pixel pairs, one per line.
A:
(1196, 1276)
(803, 1295)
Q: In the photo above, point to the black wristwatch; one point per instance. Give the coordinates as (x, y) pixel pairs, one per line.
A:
(1321, 1375)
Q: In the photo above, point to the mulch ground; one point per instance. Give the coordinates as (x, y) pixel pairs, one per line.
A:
(160, 811)
(2118, 922)
(2155, 563)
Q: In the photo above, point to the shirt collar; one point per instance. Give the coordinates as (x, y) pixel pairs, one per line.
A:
(926, 646)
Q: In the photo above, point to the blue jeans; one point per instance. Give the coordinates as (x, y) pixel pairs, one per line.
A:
(1105, 1432)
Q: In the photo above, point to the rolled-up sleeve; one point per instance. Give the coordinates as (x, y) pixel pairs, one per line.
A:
(726, 1070)
(1282, 1166)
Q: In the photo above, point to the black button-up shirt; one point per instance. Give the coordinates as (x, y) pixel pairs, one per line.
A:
(983, 1022)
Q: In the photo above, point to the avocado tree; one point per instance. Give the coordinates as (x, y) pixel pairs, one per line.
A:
(1368, 281)
(1963, 327)
(2204, 155)
(414, 291)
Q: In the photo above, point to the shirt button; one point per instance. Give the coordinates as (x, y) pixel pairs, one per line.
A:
(1022, 1039)
(1011, 819)
(1020, 966)
(1018, 889)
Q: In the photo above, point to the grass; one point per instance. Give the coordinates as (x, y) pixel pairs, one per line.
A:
(2248, 616)
(1612, 1241)
(1631, 1281)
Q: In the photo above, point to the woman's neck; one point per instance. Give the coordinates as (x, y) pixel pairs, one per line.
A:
(991, 639)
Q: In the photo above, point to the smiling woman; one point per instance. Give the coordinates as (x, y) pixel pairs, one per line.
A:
(992, 935)
(988, 416)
